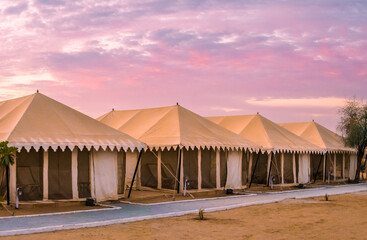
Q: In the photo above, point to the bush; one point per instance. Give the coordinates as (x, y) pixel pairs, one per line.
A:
(201, 214)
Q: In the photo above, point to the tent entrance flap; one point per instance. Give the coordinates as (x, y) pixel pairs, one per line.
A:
(208, 168)
(169, 159)
(29, 168)
(316, 163)
(329, 168)
(288, 168)
(260, 173)
(347, 166)
(59, 174)
(83, 173)
(190, 167)
(339, 166)
(275, 170)
(223, 167)
(149, 169)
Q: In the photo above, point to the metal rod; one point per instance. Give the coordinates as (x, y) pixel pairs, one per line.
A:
(179, 170)
(271, 161)
(253, 171)
(318, 167)
(136, 169)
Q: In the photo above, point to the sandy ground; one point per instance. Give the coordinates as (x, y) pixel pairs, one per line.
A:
(44, 209)
(343, 217)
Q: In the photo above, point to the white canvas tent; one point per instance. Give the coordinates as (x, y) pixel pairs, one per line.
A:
(62, 153)
(339, 162)
(172, 133)
(286, 156)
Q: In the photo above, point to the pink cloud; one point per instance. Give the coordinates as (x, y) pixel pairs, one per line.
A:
(207, 55)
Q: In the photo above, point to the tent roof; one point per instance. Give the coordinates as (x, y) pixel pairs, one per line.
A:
(266, 133)
(173, 126)
(39, 121)
(318, 135)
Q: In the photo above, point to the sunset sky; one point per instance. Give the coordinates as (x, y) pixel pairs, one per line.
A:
(288, 60)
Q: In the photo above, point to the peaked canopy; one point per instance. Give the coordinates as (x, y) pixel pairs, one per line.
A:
(173, 126)
(266, 133)
(318, 135)
(39, 121)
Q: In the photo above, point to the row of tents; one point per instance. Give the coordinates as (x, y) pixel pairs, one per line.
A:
(64, 154)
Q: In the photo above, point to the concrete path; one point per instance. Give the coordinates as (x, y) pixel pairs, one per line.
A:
(129, 212)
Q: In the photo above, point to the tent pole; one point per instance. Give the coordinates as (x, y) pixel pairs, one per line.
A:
(318, 167)
(271, 163)
(253, 171)
(179, 170)
(325, 165)
(136, 169)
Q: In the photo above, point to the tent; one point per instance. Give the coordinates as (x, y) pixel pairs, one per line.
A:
(183, 146)
(339, 162)
(286, 156)
(62, 153)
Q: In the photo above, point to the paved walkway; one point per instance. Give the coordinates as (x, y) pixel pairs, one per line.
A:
(127, 212)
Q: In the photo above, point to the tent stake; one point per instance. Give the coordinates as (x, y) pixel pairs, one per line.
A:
(179, 170)
(318, 167)
(253, 171)
(136, 169)
(271, 161)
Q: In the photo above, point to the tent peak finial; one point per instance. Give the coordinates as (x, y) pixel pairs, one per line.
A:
(313, 120)
(177, 103)
(37, 91)
(113, 109)
(257, 113)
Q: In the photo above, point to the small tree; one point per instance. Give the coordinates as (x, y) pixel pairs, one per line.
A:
(353, 126)
(7, 156)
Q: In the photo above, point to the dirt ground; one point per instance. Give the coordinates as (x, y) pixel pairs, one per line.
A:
(43, 209)
(342, 217)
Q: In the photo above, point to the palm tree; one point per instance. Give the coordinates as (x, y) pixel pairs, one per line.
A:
(7, 156)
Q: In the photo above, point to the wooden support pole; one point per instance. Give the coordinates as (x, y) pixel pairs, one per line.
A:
(74, 173)
(343, 168)
(182, 171)
(294, 168)
(199, 169)
(282, 166)
(45, 174)
(217, 168)
(324, 168)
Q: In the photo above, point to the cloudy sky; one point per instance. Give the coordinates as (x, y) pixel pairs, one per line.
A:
(288, 60)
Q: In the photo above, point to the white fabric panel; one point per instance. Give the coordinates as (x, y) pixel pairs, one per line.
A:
(105, 175)
(234, 170)
(353, 166)
(304, 168)
(131, 160)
